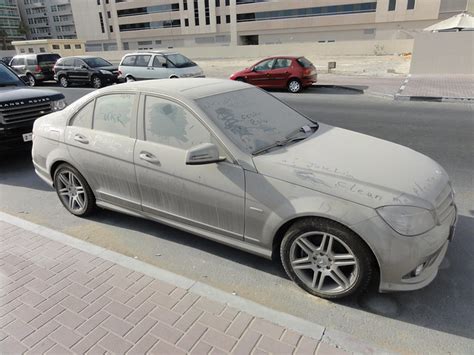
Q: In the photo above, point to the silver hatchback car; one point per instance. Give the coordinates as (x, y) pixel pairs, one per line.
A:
(229, 162)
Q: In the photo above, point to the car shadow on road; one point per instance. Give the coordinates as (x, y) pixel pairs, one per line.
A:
(323, 89)
(446, 304)
(16, 169)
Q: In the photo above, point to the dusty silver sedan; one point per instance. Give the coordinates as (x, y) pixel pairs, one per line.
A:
(229, 162)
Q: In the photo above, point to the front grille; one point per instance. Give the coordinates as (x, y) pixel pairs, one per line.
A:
(23, 113)
(445, 204)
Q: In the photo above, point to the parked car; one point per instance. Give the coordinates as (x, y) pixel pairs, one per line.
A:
(85, 70)
(36, 67)
(20, 106)
(157, 65)
(292, 73)
(230, 162)
(6, 60)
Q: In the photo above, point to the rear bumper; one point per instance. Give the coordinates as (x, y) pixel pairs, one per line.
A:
(44, 76)
(309, 80)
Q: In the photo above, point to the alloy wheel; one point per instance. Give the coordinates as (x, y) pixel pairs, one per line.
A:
(294, 86)
(96, 82)
(31, 80)
(64, 82)
(71, 191)
(324, 263)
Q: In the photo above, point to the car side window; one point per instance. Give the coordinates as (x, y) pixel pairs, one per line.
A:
(68, 62)
(130, 60)
(78, 63)
(84, 117)
(142, 60)
(158, 61)
(265, 65)
(113, 113)
(171, 124)
(281, 63)
(31, 61)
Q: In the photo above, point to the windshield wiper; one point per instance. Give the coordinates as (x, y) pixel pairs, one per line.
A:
(291, 138)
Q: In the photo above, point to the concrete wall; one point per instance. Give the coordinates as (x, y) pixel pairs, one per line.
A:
(443, 53)
(307, 49)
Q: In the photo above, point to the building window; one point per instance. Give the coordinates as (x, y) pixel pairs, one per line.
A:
(55, 46)
(391, 5)
(185, 5)
(206, 11)
(218, 20)
(101, 22)
(186, 22)
(411, 4)
(227, 18)
(22, 50)
(136, 11)
(307, 12)
(227, 2)
(149, 25)
(218, 3)
(111, 28)
(108, 14)
(98, 2)
(196, 13)
(30, 50)
(77, 46)
(67, 46)
(42, 50)
(106, 1)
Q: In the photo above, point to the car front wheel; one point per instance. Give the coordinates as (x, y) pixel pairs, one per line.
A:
(31, 79)
(97, 82)
(73, 191)
(63, 81)
(326, 259)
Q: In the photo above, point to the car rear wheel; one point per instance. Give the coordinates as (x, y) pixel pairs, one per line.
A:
(97, 82)
(73, 191)
(129, 79)
(31, 79)
(63, 81)
(294, 86)
(326, 259)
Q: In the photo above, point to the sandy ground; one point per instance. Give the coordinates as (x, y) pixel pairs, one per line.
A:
(373, 66)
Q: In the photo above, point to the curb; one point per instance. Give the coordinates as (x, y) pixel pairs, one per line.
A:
(333, 86)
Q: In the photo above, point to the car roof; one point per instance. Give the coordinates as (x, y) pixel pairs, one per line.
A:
(152, 52)
(189, 88)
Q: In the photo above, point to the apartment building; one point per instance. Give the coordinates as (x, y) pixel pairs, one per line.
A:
(48, 19)
(144, 24)
(10, 24)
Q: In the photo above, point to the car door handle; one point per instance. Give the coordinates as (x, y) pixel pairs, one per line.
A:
(81, 139)
(149, 157)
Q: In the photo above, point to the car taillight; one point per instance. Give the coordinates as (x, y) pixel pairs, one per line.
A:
(38, 69)
(307, 71)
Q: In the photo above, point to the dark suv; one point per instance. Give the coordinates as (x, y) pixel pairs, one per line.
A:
(36, 67)
(20, 106)
(85, 70)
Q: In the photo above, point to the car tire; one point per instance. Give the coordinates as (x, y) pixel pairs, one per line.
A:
(129, 79)
(73, 191)
(32, 80)
(63, 81)
(294, 86)
(326, 259)
(96, 82)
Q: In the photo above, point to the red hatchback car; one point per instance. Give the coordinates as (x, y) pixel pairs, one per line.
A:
(292, 73)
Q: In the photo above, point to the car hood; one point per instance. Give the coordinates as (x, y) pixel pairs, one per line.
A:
(356, 167)
(16, 93)
(109, 68)
(241, 72)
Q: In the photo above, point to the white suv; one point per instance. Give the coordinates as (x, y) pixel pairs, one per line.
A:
(157, 65)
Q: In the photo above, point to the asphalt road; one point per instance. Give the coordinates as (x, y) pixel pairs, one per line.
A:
(436, 319)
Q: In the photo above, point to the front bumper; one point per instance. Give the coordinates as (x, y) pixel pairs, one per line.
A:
(11, 138)
(398, 256)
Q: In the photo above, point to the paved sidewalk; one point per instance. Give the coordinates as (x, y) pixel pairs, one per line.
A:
(58, 299)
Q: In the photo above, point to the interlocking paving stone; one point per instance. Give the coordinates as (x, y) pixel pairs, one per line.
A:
(69, 301)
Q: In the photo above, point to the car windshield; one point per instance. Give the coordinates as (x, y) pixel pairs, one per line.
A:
(8, 78)
(97, 62)
(252, 118)
(48, 58)
(179, 60)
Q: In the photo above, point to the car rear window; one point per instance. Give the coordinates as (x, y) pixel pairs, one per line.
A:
(305, 63)
(48, 58)
(129, 60)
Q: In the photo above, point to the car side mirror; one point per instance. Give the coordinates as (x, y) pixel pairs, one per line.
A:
(206, 153)
(24, 78)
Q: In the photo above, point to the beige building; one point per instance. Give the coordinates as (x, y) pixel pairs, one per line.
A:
(63, 47)
(144, 24)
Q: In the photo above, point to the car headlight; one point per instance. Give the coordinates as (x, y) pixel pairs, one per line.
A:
(408, 220)
(58, 105)
(105, 72)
